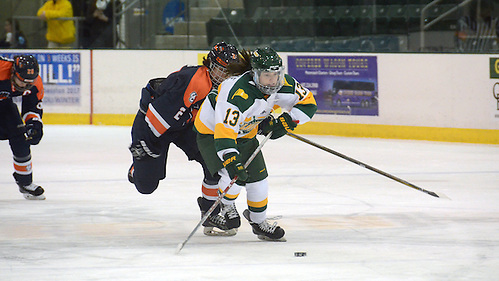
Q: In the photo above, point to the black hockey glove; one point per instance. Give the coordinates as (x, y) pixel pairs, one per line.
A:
(265, 127)
(34, 131)
(140, 150)
(234, 167)
(280, 126)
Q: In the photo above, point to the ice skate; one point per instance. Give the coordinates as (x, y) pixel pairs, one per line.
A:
(266, 231)
(231, 216)
(32, 192)
(215, 225)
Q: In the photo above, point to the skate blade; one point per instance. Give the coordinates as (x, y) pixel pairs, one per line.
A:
(265, 238)
(28, 196)
(211, 231)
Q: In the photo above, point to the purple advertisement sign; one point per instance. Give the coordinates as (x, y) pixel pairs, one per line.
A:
(344, 85)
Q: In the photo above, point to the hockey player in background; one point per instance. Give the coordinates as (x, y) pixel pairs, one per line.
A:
(227, 125)
(166, 115)
(19, 77)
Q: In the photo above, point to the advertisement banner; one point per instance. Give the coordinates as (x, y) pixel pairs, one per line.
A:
(343, 85)
(60, 73)
(494, 74)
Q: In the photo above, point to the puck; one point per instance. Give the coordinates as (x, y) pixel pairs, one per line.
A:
(300, 254)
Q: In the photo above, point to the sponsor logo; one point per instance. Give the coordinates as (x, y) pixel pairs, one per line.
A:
(494, 67)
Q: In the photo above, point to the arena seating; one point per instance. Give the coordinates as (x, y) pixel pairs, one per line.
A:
(322, 25)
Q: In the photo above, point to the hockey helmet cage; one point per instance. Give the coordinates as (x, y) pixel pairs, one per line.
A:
(266, 61)
(220, 56)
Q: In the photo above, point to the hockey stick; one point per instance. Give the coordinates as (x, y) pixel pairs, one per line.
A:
(363, 165)
(221, 195)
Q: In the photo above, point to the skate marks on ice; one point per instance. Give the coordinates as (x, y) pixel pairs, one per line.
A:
(353, 224)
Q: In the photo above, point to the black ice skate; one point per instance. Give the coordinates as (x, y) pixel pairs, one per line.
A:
(215, 225)
(32, 192)
(265, 231)
(231, 216)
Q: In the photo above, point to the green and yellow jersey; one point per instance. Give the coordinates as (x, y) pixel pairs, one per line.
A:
(235, 112)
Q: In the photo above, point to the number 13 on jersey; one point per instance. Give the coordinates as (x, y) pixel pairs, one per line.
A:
(231, 117)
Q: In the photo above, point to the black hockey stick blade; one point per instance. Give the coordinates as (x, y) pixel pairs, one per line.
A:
(364, 165)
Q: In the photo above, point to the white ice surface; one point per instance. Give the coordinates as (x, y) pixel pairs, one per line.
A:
(353, 224)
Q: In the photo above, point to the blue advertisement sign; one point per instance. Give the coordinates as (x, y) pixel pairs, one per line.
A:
(60, 73)
(343, 85)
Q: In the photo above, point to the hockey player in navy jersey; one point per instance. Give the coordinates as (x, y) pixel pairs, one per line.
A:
(167, 110)
(19, 77)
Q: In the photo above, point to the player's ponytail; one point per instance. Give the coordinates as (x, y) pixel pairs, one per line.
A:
(243, 65)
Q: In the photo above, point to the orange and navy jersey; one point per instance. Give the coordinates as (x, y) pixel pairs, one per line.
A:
(31, 99)
(173, 104)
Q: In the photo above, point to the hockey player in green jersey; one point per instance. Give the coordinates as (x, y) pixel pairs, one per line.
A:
(227, 125)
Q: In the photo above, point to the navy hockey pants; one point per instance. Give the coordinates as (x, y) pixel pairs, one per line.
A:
(148, 172)
(11, 130)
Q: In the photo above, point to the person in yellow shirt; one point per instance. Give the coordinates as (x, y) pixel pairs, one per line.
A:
(60, 33)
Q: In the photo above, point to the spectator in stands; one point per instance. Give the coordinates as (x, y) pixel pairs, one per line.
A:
(99, 24)
(479, 30)
(60, 33)
(11, 40)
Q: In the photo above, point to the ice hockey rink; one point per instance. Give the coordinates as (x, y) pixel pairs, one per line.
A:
(352, 223)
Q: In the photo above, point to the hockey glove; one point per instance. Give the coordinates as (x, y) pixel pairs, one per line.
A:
(265, 127)
(34, 131)
(233, 165)
(141, 151)
(284, 124)
(280, 126)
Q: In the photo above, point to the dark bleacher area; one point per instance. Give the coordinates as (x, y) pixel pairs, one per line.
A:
(326, 26)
